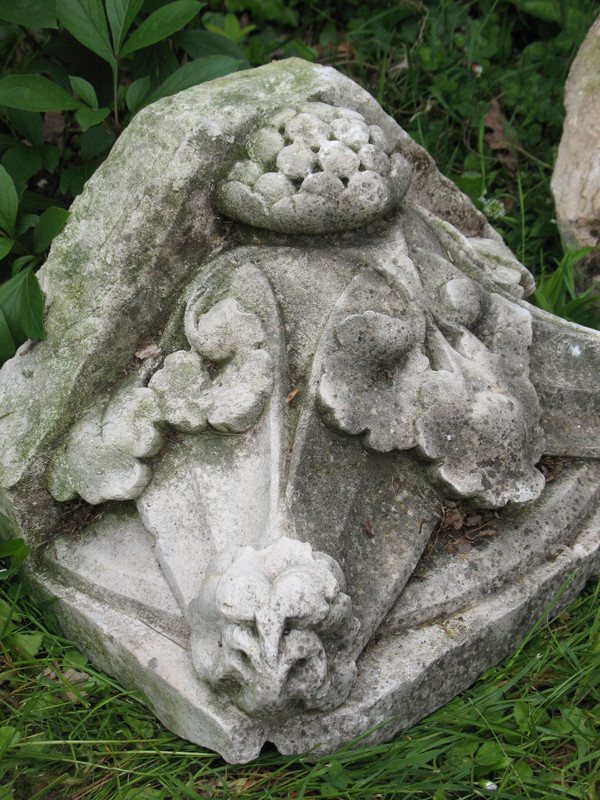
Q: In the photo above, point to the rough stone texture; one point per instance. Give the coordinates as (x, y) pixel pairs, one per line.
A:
(277, 339)
(576, 178)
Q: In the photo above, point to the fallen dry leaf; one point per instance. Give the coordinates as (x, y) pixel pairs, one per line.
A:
(70, 677)
(148, 350)
(290, 398)
(368, 529)
(454, 518)
(500, 137)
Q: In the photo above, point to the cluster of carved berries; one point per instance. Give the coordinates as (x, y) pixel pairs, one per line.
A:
(316, 169)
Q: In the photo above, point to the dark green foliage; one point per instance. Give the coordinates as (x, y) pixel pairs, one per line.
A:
(93, 63)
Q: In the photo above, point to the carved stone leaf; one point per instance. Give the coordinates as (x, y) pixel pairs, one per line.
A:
(183, 386)
(476, 440)
(95, 469)
(369, 384)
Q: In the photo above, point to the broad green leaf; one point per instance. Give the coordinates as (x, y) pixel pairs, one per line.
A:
(85, 20)
(8, 737)
(32, 202)
(162, 24)
(34, 93)
(87, 117)
(85, 90)
(20, 263)
(158, 62)
(492, 755)
(29, 13)
(136, 93)
(94, 141)
(50, 156)
(6, 245)
(121, 14)
(24, 222)
(9, 202)
(200, 44)
(74, 178)
(16, 550)
(199, 71)
(29, 125)
(21, 163)
(51, 223)
(542, 9)
(23, 306)
(28, 643)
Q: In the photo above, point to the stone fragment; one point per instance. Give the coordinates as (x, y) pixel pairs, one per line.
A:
(340, 343)
(576, 177)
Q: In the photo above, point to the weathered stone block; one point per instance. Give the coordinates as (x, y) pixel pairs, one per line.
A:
(278, 338)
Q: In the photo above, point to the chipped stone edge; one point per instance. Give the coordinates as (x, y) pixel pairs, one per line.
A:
(401, 679)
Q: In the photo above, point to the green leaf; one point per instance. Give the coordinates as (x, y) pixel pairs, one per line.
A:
(136, 93)
(6, 245)
(85, 20)
(21, 163)
(7, 343)
(51, 223)
(29, 125)
(28, 643)
(9, 202)
(23, 306)
(29, 13)
(24, 222)
(94, 141)
(74, 178)
(9, 736)
(199, 71)
(87, 117)
(21, 262)
(157, 62)
(16, 550)
(162, 24)
(491, 755)
(85, 90)
(542, 9)
(50, 156)
(200, 44)
(6, 140)
(121, 14)
(34, 93)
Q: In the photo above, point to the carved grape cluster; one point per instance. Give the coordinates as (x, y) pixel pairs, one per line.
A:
(315, 169)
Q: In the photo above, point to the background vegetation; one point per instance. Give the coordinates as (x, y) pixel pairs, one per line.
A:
(479, 84)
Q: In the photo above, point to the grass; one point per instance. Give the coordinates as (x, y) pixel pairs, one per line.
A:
(528, 727)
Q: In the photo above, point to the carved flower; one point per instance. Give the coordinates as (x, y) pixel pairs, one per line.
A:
(369, 384)
(272, 629)
(315, 169)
